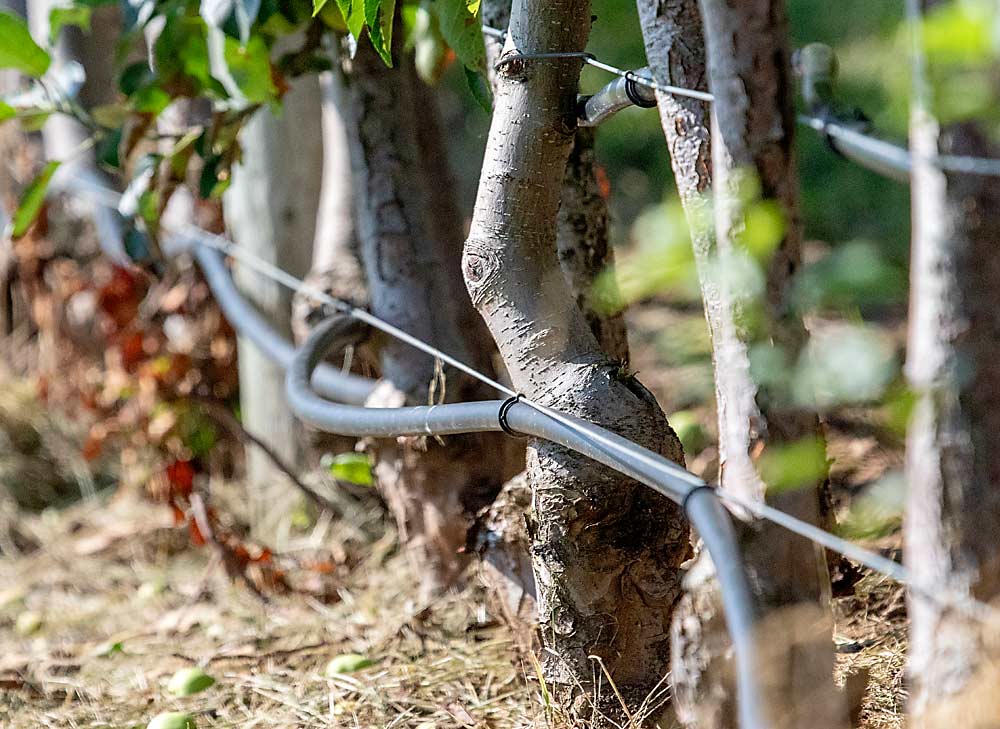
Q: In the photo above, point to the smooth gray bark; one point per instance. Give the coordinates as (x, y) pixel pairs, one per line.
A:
(270, 210)
(584, 246)
(953, 443)
(605, 551)
(410, 235)
(584, 252)
(336, 267)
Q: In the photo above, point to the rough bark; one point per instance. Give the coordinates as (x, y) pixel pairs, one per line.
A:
(410, 237)
(605, 550)
(583, 244)
(271, 210)
(750, 75)
(953, 444)
(584, 249)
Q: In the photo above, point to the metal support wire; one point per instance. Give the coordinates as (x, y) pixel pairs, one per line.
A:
(251, 325)
(333, 383)
(878, 155)
(700, 503)
(526, 416)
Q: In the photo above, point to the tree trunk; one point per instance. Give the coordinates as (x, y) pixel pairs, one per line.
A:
(584, 252)
(605, 550)
(62, 136)
(336, 267)
(953, 445)
(410, 235)
(750, 74)
(271, 211)
(583, 244)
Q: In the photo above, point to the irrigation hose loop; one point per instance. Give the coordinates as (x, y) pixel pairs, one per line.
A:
(505, 407)
(633, 93)
(691, 493)
(824, 131)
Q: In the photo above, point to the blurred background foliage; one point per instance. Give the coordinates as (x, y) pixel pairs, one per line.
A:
(843, 205)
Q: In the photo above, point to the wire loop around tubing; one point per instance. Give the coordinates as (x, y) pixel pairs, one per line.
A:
(687, 497)
(518, 56)
(502, 415)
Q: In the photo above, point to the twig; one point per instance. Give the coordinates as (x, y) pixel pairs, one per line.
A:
(221, 415)
(225, 555)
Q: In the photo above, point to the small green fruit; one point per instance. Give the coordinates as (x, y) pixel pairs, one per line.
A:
(346, 663)
(351, 467)
(108, 649)
(28, 623)
(172, 720)
(189, 681)
(149, 590)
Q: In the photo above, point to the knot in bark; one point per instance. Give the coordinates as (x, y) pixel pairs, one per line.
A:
(481, 267)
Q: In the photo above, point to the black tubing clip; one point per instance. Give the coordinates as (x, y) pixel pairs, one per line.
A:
(505, 407)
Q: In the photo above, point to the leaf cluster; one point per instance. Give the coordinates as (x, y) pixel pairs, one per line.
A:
(235, 57)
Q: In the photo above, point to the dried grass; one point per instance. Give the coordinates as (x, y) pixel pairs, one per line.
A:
(442, 664)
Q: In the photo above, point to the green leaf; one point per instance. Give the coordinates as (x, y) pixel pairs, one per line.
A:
(75, 15)
(110, 116)
(795, 465)
(353, 468)
(32, 199)
(182, 152)
(188, 681)
(18, 50)
(688, 428)
(151, 99)
(351, 11)
(107, 149)
(7, 111)
(346, 663)
(379, 16)
(251, 69)
(479, 89)
(33, 120)
(181, 56)
(105, 650)
(208, 182)
(460, 26)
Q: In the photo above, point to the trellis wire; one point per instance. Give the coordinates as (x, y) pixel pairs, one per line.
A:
(870, 559)
(828, 540)
(963, 164)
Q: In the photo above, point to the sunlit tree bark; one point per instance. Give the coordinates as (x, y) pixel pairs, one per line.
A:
(583, 245)
(605, 550)
(410, 235)
(953, 443)
(747, 56)
(270, 210)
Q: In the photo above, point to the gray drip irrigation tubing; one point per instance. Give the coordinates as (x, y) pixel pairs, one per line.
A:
(702, 507)
(304, 373)
(327, 380)
(620, 94)
(879, 156)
